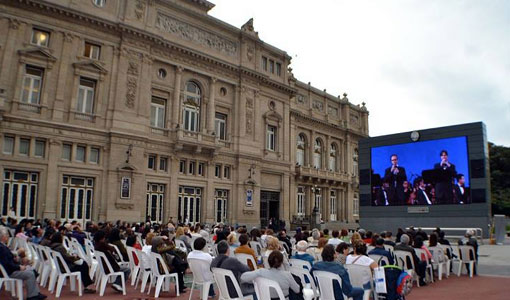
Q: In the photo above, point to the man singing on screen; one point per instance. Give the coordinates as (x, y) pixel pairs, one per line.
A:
(396, 175)
(444, 174)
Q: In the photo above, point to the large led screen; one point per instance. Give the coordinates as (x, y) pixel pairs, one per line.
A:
(430, 172)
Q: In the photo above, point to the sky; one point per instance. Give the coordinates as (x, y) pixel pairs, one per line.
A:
(417, 64)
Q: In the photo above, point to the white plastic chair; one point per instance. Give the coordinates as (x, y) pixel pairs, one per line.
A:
(181, 245)
(294, 262)
(358, 275)
(439, 261)
(465, 254)
(63, 273)
(103, 262)
(120, 261)
(422, 255)
(257, 247)
(305, 276)
(263, 288)
(12, 284)
(245, 258)
(379, 259)
(160, 277)
(49, 271)
(91, 260)
(66, 242)
(325, 281)
(145, 269)
(403, 258)
(220, 277)
(135, 268)
(197, 266)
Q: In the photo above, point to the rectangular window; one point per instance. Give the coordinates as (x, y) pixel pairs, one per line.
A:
(152, 162)
(271, 138)
(201, 169)
(66, 151)
(182, 166)
(221, 126)
(271, 66)
(92, 51)
(94, 155)
(355, 205)
(86, 96)
(158, 108)
(24, 146)
(300, 201)
(32, 84)
(80, 153)
(163, 163)
(40, 146)
(226, 172)
(217, 171)
(279, 69)
(191, 118)
(8, 147)
(191, 169)
(40, 37)
(264, 63)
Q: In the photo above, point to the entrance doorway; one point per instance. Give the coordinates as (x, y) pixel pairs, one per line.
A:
(269, 207)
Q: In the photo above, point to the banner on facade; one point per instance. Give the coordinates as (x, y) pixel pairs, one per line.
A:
(249, 197)
(125, 188)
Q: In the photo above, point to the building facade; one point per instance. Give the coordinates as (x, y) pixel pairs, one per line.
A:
(117, 109)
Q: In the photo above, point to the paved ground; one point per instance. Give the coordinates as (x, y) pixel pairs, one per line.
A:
(492, 283)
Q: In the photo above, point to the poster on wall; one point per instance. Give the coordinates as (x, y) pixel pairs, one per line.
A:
(125, 188)
(249, 197)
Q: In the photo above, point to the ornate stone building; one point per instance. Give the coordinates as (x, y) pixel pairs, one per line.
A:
(122, 109)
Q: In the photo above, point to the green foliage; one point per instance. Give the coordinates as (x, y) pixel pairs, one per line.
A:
(500, 179)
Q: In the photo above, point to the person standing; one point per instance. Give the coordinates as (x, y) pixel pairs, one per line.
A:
(395, 175)
(445, 173)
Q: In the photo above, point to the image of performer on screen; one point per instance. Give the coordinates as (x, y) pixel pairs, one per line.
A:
(384, 196)
(444, 173)
(459, 191)
(422, 198)
(396, 175)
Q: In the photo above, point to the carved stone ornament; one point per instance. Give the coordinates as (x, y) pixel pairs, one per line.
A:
(132, 68)
(14, 23)
(249, 103)
(332, 111)
(197, 35)
(250, 53)
(131, 91)
(318, 105)
(140, 9)
(301, 99)
(249, 122)
(124, 205)
(354, 119)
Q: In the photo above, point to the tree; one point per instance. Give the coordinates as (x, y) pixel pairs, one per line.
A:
(500, 178)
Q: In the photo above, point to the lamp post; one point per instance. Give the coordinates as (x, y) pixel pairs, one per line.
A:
(315, 213)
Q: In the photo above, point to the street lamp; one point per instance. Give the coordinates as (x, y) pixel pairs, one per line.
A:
(315, 191)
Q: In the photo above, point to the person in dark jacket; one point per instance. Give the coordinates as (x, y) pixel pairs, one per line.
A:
(101, 245)
(74, 263)
(173, 258)
(419, 265)
(379, 250)
(328, 264)
(15, 270)
(114, 239)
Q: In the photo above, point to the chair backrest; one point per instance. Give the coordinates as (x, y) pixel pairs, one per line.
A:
(325, 281)
(263, 288)
(158, 264)
(77, 248)
(197, 267)
(66, 242)
(257, 247)
(103, 262)
(181, 245)
(294, 262)
(284, 247)
(370, 248)
(404, 260)
(381, 260)
(143, 260)
(119, 254)
(60, 263)
(390, 249)
(220, 277)
(3, 272)
(438, 255)
(304, 274)
(358, 274)
(466, 253)
(131, 255)
(47, 257)
(265, 260)
(422, 255)
(244, 258)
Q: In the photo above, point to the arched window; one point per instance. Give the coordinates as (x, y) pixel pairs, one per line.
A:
(317, 154)
(191, 107)
(300, 151)
(332, 157)
(355, 162)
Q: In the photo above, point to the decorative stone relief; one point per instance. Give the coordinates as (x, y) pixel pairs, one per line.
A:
(318, 105)
(249, 103)
(14, 23)
(333, 111)
(250, 53)
(249, 121)
(301, 99)
(131, 91)
(197, 35)
(132, 68)
(354, 119)
(139, 9)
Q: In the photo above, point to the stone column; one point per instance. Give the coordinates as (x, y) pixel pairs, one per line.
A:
(64, 72)
(311, 145)
(50, 206)
(211, 107)
(326, 153)
(176, 107)
(242, 112)
(326, 209)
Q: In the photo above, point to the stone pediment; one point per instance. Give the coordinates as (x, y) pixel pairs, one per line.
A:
(126, 167)
(90, 65)
(37, 52)
(273, 115)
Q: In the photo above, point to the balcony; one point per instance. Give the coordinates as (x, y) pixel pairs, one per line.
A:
(36, 108)
(321, 175)
(84, 116)
(159, 131)
(197, 142)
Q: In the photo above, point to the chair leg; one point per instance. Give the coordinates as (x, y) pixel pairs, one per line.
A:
(471, 269)
(80, 290)
(440, 271)
(19, 289)
(177, 285)
(459, 270)
(60, 284)
(103, 281)
(191, 292)
(159, 283)
(123, 284)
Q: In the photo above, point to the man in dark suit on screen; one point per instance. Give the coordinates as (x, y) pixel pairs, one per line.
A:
(444, 174)
(422, 198)
(396, 175)
(459, 190)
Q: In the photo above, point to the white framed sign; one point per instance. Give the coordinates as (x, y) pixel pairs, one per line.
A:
(125, 188)
(249, 197)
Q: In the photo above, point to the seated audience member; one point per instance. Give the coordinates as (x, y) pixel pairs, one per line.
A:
(101, 245)
(328, 264)
(273, 245)
(172, 257)
(15, 270)
(199, 253)
(243, 248)
(232, 240)
(37, 235)
(344, 236)
(78, 234)
(46, 240)
(313, 241)
(359, 257)
(276, 273)
(368, 237)
(470, 241)
(379, 250)
(335, 240)
(418, 244)
(299, 235)
(388, 239)
(420, 265)
(400, 232)
(326, 233)
(179, 235)
(114, 239)
(356, 236)
(74, 263)
(233, 264)
(342, 251)
(282, 237)
(301, 247)
(422, 233)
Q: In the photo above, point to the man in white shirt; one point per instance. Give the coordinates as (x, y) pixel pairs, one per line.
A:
(200, 254)
(335, 240)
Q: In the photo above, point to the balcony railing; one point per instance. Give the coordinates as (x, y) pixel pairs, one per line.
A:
(159, 131)
(84, 116)
(322, 174)
(32, 107)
